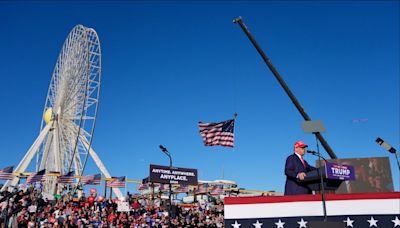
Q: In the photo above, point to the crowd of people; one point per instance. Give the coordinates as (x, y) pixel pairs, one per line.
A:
(29, 208)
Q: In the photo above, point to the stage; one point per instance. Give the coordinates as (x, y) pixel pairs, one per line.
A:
(350, 210)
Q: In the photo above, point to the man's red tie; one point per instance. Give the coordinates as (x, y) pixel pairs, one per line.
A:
(350, 190)
(302, 161)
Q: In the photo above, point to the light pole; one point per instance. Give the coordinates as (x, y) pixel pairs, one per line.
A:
(389, 148)
(165, 151)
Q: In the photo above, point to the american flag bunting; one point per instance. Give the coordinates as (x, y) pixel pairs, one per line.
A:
(202, 188)
(6, 173)
(142, 187)
(66, 178)
(358, 210)
(217, 190)
(181, 189)
(163, 187)
(92, 179)
(36, 177)
(119, 182)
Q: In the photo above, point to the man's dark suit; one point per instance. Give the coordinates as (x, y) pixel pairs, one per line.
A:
(294, 166)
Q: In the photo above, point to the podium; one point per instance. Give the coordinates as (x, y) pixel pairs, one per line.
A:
(332, 176)
(313, 180)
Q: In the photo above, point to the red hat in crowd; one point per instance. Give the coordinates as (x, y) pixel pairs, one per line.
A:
(300, 144)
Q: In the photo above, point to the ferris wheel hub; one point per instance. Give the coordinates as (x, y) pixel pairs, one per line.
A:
(48, 115)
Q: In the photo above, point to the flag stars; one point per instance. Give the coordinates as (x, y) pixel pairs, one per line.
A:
(257, 224)
(279, 224)
(236, 224)
(372, 222)
(396, 222)
(302, 223)
(348, 222)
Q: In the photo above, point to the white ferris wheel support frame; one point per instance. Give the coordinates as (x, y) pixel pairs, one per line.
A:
(29, 156)
(65, 138)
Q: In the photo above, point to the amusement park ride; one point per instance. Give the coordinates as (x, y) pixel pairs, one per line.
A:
(69, 115)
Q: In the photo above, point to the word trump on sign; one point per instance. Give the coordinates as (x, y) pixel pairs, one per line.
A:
(339, 171)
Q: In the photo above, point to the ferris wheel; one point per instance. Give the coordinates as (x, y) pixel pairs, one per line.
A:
(69, 115)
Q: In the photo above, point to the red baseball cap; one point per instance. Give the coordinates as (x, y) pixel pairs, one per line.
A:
(300, 144)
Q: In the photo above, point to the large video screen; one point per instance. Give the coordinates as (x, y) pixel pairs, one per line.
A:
(372, 175)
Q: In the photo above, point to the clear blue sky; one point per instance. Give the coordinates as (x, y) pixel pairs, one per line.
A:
(169, 64)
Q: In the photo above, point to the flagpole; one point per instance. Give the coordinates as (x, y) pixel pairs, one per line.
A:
(234, 123)
(105, 189)
(166, 152)
(152, 192)
(126, 186)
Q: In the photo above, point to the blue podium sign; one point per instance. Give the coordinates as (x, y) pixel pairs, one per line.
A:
(339, 171)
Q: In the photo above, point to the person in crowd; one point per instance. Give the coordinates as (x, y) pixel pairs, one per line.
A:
(28, 208)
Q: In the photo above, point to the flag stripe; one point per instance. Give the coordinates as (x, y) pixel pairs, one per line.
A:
(92, 179)
(142, 187)
(304, 198)
(117, 183)
(36, 177)
(218, 134)
(217, 190)
(202, 188)
(181, 189)
(163, 187)
(6, 173)
(66, 179)
(356, 221)
(313, 208)
(4, 176)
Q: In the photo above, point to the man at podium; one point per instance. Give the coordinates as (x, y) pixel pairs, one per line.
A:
(295, 170)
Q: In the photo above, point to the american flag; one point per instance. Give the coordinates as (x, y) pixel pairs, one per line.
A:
(215, 134)
(163, 187)
(217, 190)
(119, 182)
(181, 189)
(202, 188)
(36, 177)
(142, 187)
(66, 178)
(358, 210)
(92, 179)
(6, 173)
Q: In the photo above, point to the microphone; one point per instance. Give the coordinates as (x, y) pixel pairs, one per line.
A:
(316, 154)
(311, 152)
(163, 148)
